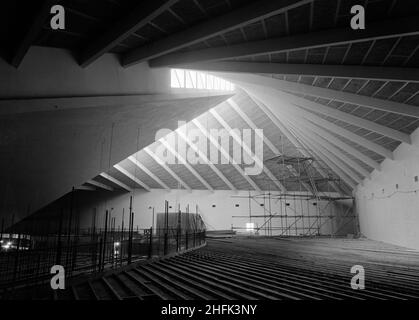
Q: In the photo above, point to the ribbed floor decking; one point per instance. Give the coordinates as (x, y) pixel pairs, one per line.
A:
(260, 268)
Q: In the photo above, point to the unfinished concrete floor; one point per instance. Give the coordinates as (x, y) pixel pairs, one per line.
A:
(263, 268)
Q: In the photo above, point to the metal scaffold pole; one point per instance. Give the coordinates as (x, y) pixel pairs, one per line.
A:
(301, 173)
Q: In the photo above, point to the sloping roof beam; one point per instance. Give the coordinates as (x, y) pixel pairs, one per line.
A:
(348, 179)
(32, 32)
(290, 136)
(225, 154)
(370, 102)
(211, 28)
(331, 148)
(131, 176)
(272, 95)
(99, 185)
(349, 172)
(116, 181)
(137, 18)
(300, 88)
(186, 164)
(247, 149)
(313, 70)
(375, 31)
(85, 188)
(151, 174)
(206, 160)
(339, 143)
(268, 142)
(165, 167)
(18, 106)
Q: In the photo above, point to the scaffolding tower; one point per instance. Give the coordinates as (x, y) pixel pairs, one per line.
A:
(314, 204)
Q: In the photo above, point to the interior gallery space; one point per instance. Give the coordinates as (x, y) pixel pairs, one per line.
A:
(209, 150)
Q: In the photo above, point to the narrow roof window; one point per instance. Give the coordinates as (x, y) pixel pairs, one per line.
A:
(189, 79)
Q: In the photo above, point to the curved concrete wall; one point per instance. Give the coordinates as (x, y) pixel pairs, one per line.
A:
(217, 210)
(388, 203)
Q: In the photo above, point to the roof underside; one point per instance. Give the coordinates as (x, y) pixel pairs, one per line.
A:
(277, 166)
(334, 104)
(88, 20)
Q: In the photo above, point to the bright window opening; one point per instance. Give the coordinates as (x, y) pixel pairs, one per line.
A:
(188, 79)
(250, 226)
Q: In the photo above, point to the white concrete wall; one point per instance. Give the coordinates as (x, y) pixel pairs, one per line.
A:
(50, 72)
(388, 213)
(216, 218)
